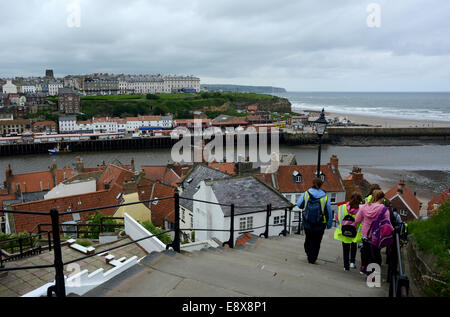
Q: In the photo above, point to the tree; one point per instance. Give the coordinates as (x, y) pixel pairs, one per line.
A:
(152, 97)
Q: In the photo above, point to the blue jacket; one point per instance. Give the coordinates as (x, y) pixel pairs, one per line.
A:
(318, 193)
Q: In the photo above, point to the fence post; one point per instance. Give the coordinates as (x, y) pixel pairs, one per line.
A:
(59, 288)
(285, 222)
(299, 222)
(176, 240)
(231, 241)
(49, 241)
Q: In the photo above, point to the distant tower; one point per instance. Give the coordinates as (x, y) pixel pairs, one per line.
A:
(49, 73)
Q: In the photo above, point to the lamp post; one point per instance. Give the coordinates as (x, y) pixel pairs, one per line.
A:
(321, 126)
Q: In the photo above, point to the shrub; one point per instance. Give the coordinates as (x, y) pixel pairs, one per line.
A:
(84, 243)
(95, 219)
(165, 238)
(433, 236)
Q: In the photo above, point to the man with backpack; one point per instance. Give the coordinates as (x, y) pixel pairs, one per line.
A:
(317, 215)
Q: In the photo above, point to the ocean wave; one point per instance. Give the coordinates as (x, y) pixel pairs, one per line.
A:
(380, 111)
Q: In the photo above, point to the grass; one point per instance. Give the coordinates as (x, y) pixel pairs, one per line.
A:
(433, 236)
(181, 106)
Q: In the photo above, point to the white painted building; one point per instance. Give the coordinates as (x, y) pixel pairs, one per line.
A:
(104, 125)
(176, 83)
(9, 88)
(53, 87)
(246, 192)
(28, 89)
(67, 124)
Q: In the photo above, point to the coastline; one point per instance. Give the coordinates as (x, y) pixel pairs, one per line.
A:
(387, 122)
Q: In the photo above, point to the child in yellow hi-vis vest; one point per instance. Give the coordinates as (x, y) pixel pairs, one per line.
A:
(346, 231)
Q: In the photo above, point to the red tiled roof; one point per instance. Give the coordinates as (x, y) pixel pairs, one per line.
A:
(162, 174)
(115, 175)
(286, 183)
(439, 199)
(33, 182)
(52, 123)
(75, 202)
(407, 196)
(229, 168)
(252, 108)
(163, 209)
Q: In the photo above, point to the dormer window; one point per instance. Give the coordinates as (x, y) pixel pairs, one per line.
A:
(297, 177)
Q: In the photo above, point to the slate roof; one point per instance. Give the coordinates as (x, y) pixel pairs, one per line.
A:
(249, 192)
(190, 182)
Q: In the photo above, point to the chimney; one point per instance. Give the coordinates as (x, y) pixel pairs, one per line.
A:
(8, 179)
(79, 165)
(132, 165)
(358, 176)
(334, 161)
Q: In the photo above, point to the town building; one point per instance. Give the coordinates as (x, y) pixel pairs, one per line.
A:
(188, 187)
(251, 198)
(404, 201)
(67, 124)
(13, 127)
(438, 201)
(68, 101)
(292, 181)
(45, 127)
(53, 87)
(9, 88)
(356, 182)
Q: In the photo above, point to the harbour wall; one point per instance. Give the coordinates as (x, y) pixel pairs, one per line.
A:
(334, 136)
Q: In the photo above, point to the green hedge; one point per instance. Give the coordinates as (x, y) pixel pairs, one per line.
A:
(433, 236)
(165, 238)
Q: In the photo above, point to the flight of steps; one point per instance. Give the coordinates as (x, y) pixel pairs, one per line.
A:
(274, 267)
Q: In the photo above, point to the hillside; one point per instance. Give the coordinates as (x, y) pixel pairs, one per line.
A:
(181, 106)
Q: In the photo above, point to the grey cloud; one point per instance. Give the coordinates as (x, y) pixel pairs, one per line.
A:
(295, 44)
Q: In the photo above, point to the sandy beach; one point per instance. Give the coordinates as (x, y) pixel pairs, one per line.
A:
(387, 122)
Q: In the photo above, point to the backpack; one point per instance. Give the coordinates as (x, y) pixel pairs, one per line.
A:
(313, 214)
(381, 232)
(348, 226)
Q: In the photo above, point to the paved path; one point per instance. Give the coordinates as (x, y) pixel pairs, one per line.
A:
(18, 283)
(272, 267)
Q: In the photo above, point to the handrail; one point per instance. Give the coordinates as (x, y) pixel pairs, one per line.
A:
(59, 288)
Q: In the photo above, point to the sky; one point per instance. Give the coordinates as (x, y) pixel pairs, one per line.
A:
(310, 45)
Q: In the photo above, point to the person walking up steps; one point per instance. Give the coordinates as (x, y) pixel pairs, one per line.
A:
(347, 232)
(368, 214)
(317, 215)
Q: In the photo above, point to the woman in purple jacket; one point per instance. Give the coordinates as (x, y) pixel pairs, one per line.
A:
(367, 214)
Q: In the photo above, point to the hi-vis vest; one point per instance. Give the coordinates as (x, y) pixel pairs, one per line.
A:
(323, 204)
(342, 212)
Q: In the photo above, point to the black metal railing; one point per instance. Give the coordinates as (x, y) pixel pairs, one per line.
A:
(54, 234)
(399, 282)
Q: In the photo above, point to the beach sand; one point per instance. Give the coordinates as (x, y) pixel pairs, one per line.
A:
(386, 122)
(426, 184)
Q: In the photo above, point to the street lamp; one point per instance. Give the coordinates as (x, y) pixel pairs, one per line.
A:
(321, 126)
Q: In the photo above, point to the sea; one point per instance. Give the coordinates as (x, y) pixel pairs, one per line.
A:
(400, 105)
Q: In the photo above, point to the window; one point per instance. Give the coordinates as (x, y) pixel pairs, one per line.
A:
(245, 223)
(403, 212)
(192, 221)
(182, 214)
(2, 224)
(278, 220)
(333, 198)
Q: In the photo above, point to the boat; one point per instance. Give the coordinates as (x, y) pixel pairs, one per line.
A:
(57, 150)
